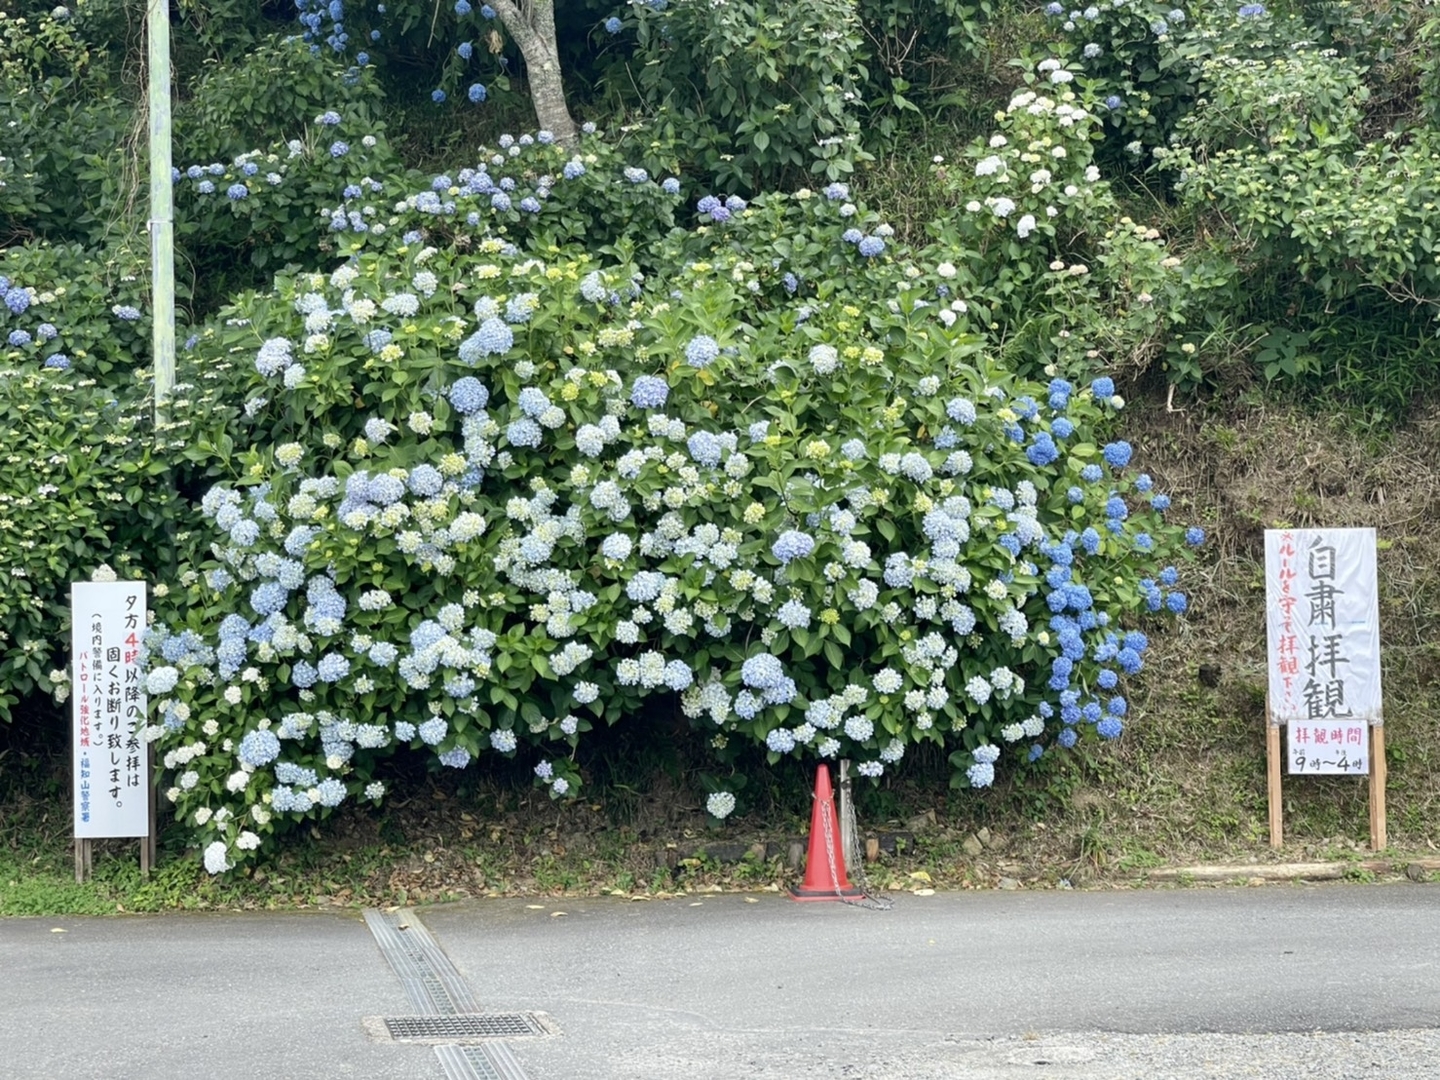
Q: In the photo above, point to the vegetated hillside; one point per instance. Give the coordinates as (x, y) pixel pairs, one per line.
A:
(1254, 255)
(1190, 778)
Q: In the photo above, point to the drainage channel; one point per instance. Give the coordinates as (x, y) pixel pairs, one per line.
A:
(430, 980)
(465, 1039)
(494, 1062)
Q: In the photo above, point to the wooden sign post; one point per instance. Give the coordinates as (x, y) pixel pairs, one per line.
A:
(1323, 630)
(1272, 773)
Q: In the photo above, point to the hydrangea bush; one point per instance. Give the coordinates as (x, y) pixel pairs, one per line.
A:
(491, 499)
(81, 464)
(81, 489)
(267, 204)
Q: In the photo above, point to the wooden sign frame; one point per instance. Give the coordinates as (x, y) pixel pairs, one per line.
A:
(1274, 755)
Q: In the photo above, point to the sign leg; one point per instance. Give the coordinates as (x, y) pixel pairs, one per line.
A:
(148, 848)
(1272, 768)
(1378, 839)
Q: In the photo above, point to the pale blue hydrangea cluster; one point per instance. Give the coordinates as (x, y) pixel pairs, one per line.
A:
(530, 540)
(510, 184)
(25, 327)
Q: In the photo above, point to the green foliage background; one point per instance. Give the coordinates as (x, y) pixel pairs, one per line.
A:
(1263, 235)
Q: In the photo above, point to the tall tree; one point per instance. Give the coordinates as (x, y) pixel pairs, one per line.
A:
(531, 23)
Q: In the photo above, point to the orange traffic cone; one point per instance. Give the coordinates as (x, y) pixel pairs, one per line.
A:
(825, 863)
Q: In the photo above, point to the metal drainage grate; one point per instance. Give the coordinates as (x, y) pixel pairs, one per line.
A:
(431, 981)
(465, 1026)
(492, 1062)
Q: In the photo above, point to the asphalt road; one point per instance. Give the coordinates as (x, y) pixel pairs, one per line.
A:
(1302, 981)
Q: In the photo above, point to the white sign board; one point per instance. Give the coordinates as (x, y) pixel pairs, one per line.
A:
(112, 778)
(1323, 622)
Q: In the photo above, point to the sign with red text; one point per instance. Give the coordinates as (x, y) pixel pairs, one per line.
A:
(1323, 622)
(112, 777)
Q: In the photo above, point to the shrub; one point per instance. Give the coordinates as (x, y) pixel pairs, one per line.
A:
(269, 95)
(490, 499)
(266, 204)
(756, 92)
(81, 488)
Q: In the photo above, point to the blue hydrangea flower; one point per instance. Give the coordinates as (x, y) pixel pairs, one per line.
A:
(494, 338)
(468, 395)
(1117, 454)
(258, 748)
(705, 448)
(437, 95)
(268, 597)
(871, 246)
(702, 351)
(1042, 450)
(1103, 388)
(425, 480)
(960, 410)
(649, 392)
(792, 544)
(477, 92)
(614, 25)
(762, 671)
(524, 432)
(1194, 536)
(793, 615)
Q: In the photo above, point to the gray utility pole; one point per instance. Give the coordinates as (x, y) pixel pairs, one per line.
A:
(162, 208)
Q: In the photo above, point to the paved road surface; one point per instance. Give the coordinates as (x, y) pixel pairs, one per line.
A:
(1309, 982)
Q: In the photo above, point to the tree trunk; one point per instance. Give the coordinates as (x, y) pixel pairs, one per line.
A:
(531, 23)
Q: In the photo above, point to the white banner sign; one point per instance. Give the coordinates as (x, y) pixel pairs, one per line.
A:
(1323, 622)
(112, 780)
